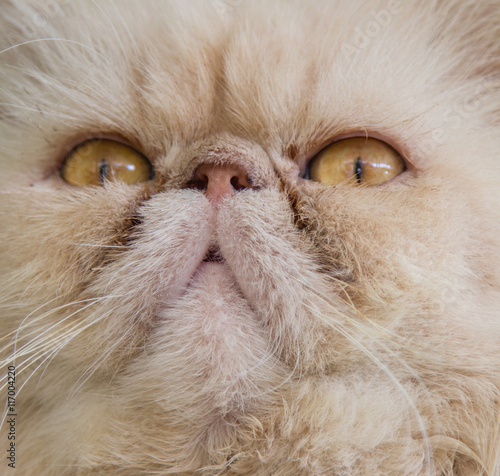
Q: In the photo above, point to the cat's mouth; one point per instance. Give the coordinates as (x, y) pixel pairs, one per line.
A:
(214, 255)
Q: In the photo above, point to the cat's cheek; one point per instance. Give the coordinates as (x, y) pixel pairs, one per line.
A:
(150, 274)
(261, 246)
(400, 249)
(65, 232)
(100, 263)
(274, 266)
(169, 244)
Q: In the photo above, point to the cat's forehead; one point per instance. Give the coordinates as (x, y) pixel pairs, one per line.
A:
(261, 69)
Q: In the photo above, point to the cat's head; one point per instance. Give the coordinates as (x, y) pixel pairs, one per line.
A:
(296, 270)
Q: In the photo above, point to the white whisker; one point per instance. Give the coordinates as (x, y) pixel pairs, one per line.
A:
(65, 40)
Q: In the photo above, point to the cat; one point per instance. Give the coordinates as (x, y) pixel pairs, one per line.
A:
(250, 237)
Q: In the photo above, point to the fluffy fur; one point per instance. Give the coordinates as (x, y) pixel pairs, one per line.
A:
(352, 330)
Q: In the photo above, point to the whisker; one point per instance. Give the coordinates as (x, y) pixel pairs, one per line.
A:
(76, 334)
(39, 40)
(32, 359)
(112, 26)
(98, 362)
(92, 301)
(65, 338)
(339, 328)
(91, 245)
(32, 312)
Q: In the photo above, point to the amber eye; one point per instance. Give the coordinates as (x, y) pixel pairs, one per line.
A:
(96, 161)
(357, 160)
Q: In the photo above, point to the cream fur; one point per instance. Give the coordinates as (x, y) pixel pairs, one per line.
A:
(352, 331)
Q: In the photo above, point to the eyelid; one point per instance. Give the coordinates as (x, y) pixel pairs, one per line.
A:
(81, 139)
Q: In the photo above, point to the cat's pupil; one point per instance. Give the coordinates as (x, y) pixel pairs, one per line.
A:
(103, 170)
(357, 170)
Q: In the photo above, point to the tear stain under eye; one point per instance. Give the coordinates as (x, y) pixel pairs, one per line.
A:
(127, 232)
(294, 198)
(124, 234)
(326, 266)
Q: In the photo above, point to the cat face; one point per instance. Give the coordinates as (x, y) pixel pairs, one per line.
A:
(251, 238)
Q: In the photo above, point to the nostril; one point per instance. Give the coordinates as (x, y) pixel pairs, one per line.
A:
(219, 181)
(199, 182)
(237, 183)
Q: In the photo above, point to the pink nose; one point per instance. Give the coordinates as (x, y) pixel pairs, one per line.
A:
(220, 181)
